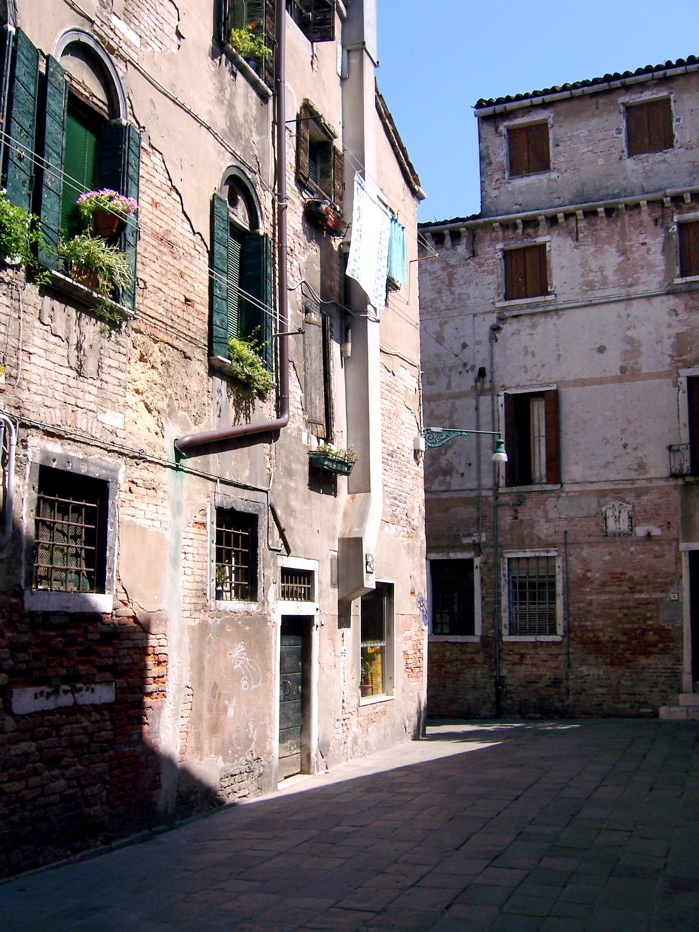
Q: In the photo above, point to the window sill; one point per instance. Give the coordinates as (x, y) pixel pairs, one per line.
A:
(45, 600)
(249, 73)
(86, 296)
(528, 638)
(373, 700)
(526, 302)
(544, 171)
(686, 280)
(455, 638)
(228, 605)
(539, 487)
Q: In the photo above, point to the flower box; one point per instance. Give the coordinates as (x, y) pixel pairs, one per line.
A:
(340, 465)
(321, 211)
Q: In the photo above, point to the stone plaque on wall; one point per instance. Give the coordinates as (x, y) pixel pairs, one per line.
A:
(617, 519)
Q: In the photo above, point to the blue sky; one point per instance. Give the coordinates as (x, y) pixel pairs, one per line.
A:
(438, 57)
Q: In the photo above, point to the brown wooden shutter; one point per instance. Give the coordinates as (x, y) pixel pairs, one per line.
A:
(636, 130)
(660, 134)
(536, 273)
(517, 150)
(314, 372)
(302, 145)
(553, 458)
(689, 248)
(338, 177)
(539, 149)
(510, 441)
(514, 274)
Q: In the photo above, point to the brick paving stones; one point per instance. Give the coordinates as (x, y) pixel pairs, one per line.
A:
(575, 826)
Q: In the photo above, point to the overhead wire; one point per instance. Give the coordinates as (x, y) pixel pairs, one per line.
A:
(63, 176)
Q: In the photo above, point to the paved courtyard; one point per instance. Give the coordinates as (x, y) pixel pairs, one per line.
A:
(557, 826)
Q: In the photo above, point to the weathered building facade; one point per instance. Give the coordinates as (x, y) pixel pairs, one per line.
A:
(564, 315)
(192, 606)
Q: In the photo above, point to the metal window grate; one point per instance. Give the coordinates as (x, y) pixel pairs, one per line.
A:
(236, 551)
(296, 585)
(532, 595)
(66, 534)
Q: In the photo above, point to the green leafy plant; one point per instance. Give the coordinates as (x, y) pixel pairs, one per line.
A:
(247, 365)
(107, 200)
(18, 234)
(90, 261)
(343, 456)
(248, 45)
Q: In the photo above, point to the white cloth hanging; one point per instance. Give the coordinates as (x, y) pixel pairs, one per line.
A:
(368, 255)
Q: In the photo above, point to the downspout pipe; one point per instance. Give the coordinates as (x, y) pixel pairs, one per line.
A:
(192, 442)
(7, 425)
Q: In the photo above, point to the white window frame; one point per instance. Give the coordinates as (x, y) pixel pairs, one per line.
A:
(529, 120)
(390, 652)
(504, 589)
(477, 606)
(502, 248)
(674, 231)
(229, 503)
(628, 100)
(50, 600)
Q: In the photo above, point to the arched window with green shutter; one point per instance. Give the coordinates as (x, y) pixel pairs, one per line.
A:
(242, 271)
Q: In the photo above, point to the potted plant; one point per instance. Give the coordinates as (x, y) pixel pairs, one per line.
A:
(249, 46)
(328, 457)
(17, 235)
(320, 210)
(248, 366)
(105, 210)
(92, 262)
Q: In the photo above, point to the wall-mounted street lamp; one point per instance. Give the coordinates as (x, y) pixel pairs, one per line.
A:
(438, 436)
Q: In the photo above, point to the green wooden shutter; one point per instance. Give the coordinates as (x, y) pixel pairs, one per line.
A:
(119, 166)
(314, 372)
(21, 122)
(219, 277)
(235, 258)
(80, 161)
(257, 283)
(52, 172)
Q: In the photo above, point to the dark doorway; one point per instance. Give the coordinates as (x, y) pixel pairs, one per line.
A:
(694, 612)
(292, 676)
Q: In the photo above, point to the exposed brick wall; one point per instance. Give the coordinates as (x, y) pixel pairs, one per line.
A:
(75, 777)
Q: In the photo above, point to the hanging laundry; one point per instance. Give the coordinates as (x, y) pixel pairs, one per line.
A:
(368, 255)
(396, 252)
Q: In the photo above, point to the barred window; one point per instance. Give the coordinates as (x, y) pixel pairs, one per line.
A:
(296, 585)
(236, 555)
(70, 532)
(531, 596)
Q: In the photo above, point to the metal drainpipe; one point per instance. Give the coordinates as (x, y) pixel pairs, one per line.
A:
(492, 337)
(186, 444)
(7, 424)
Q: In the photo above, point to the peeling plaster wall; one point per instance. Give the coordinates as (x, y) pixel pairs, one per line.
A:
(614, 335)
(183, 690)
(588, 149)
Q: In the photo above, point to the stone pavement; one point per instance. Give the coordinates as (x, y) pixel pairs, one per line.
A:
(558, 826)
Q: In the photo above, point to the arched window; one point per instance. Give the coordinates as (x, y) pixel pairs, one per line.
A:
(242, 263)
(68, 133)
